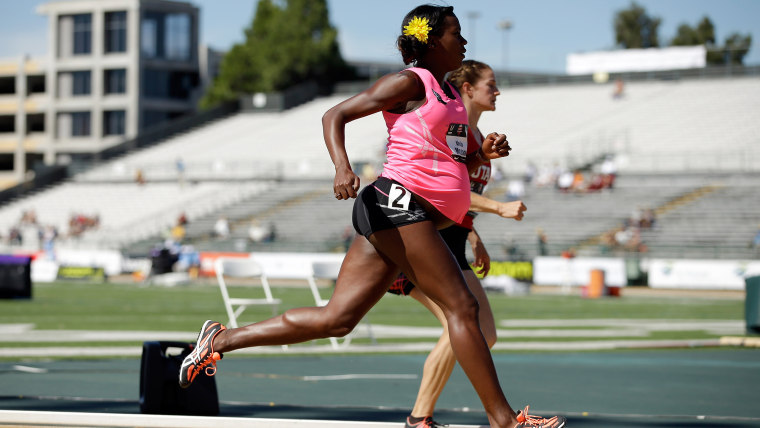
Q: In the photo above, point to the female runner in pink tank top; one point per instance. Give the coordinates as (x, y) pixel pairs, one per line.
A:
(424, 187)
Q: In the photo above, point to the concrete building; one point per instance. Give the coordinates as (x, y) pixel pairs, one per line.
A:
(114, 68)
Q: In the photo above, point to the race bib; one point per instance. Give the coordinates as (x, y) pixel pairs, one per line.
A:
(456, 138)
(399, 197)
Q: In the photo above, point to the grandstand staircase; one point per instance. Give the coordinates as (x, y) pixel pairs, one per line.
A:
(687, 198)
(668, 206)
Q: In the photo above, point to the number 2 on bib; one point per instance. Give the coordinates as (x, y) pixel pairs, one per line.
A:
(399, 197)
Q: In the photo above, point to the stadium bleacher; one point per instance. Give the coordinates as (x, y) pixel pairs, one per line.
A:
(286, 145)
(668, 138)
(671, 126)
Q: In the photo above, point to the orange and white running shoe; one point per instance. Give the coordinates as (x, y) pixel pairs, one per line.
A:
(202, 356)
(524, 420)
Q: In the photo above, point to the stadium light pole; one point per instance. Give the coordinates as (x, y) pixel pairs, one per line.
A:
(472, 16)
(505, 25)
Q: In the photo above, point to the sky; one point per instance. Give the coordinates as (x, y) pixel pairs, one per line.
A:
(542, 33)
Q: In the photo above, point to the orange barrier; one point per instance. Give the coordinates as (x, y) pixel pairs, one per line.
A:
(595, 287)
(209, 257)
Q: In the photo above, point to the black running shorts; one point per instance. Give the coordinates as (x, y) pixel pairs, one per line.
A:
(385, 204)
(455, 238)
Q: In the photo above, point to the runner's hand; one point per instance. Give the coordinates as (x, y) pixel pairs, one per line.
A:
(515, 210)
(482, 262)
(346, 184)
(495, 146)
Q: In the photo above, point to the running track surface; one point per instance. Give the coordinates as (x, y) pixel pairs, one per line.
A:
(717, 388)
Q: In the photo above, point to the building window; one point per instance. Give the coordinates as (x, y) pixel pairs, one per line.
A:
(166, 36)
(177, 37)
(114, 122)
(7, 123)
(35, 84)
(116, 32)
(115, 81)
(7, 85)
(82, 34)
(35, 123)
(80, 124)
(80, 83)
(150, 36)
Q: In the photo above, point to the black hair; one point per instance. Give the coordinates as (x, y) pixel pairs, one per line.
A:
(412, 50)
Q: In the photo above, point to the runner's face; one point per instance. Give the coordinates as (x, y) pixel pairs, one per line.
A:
(452, 43)
(485, 91)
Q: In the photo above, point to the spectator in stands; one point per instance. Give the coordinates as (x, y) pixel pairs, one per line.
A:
(648, 219)
(182, 219)
(48, 236)
(139, 177)
(565, 181)
(398, 216)
(256, 232)
(607, 242)
(511, 250)
(609, 172)
(596, 184)
(515, 190)
(568, 253)
(627, 238)
(619, 90)
(188, 260)
(636, 216)
(222, 227)
(180, 166)
(28, 232)
(623, 236)
(542, 242)
(271, 232)
(28, 217)
(80, 223)
(546, 177)
(178, 233)
(14, 236)
(531, 171)
(578, 184)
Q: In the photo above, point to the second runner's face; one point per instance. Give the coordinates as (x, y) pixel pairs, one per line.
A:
(452, 42)
(485, 91)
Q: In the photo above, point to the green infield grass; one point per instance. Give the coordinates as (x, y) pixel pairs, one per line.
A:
(182, 308)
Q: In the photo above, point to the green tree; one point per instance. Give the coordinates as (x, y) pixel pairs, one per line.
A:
(703, 34)
(736, 47)
(733, 51)
(288, 42)
(635, 29)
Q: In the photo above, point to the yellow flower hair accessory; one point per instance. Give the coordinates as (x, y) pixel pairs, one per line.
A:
(419, 28)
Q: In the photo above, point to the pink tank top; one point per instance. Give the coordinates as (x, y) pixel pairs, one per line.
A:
(427, 148)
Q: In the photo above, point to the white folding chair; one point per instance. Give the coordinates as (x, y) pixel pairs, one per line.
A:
(329, 271)
(243, 268)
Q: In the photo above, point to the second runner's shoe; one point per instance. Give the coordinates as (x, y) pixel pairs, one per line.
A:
(428, 422)
(203, 356)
